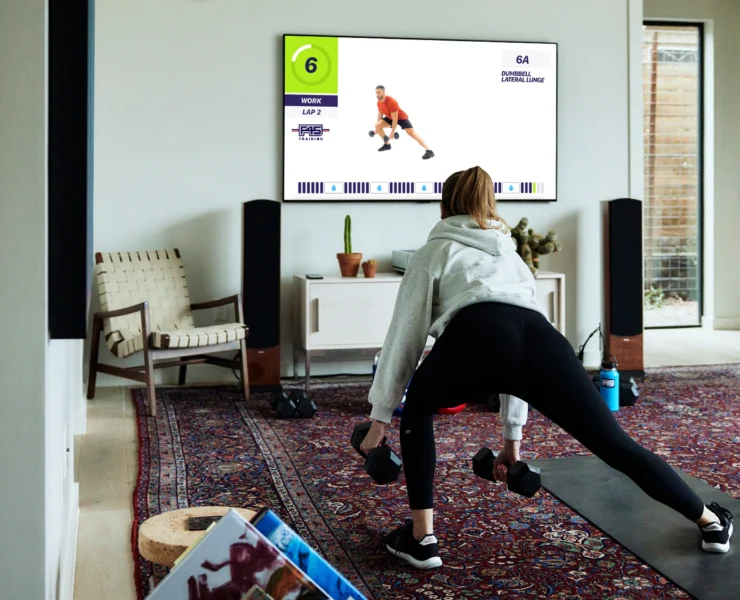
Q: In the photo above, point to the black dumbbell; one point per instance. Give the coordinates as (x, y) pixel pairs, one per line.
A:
(521, 478)
(283, 404)
(305, 408)
(385, 137)
(293, 404)
(381, 463)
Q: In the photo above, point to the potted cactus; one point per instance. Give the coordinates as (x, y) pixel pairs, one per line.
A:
(349, 262)
(368, 268)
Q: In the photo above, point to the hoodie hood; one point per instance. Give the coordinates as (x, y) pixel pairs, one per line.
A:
(465, 230)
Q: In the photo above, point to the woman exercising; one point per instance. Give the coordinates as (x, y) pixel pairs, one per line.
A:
(468, 287)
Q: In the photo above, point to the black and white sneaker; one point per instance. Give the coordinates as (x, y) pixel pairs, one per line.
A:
(384, 147)
(428, 154)
(423, 554)
(716, 536)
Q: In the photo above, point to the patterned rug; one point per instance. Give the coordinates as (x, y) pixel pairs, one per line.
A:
(207, 447)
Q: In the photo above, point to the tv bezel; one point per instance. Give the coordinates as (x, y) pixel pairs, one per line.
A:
(423, 39)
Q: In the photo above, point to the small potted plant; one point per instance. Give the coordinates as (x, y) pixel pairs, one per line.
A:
(349, 262)
(368, 268)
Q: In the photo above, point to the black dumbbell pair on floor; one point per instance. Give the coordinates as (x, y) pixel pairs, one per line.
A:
(295, 403)
(384, 465)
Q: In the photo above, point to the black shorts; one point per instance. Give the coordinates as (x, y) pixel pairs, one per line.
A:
(404, 123)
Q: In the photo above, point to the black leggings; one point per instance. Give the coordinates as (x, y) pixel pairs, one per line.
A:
(499, 348)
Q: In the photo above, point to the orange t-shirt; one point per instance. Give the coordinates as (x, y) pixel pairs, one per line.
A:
(390, 106)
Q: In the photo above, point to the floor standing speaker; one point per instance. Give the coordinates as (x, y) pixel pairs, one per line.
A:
(261, 291)
(70, 150)
(622, 316)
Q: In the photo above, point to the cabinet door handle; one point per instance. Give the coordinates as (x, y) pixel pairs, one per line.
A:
(553, 309)
(314, 320)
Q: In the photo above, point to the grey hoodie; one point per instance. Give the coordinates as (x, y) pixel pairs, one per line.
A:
(461, 264)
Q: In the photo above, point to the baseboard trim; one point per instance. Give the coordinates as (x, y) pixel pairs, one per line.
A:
(69, 549)
(726, 323)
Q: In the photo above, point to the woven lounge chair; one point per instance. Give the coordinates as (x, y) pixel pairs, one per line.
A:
(145, 307)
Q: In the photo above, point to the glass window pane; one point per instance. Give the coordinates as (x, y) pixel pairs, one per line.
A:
(671, 92)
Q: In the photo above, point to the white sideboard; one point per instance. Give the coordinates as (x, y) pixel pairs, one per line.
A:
(352, 315)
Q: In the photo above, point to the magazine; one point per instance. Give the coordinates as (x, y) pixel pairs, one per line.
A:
(303, 555)
(229, 561)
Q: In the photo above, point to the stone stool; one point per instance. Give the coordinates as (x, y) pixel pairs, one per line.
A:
(164, 537)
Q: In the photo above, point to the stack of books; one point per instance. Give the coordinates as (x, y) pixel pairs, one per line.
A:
(260, 559)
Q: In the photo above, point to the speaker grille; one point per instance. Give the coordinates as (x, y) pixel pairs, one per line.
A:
(261, 272)
(625, 267)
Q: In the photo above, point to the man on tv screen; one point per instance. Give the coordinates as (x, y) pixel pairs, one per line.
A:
(390, 114)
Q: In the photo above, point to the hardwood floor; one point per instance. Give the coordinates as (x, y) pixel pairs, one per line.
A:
(691, 346)
(107, 464)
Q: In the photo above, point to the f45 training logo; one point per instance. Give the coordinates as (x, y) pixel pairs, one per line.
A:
(311, 133)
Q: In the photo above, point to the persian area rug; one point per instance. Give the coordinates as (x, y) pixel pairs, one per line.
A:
(208, 447)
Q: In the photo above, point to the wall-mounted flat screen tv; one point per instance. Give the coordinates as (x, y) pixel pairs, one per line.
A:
(388, 119)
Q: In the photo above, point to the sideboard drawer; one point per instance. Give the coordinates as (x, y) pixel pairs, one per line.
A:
(350, 314)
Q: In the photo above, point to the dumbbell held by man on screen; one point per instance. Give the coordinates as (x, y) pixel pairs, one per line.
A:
(385, 137)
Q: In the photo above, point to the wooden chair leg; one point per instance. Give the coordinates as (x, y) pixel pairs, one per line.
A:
(94, 349)
(183, 374)
(150, 390)
(245, 370)
(148, 362)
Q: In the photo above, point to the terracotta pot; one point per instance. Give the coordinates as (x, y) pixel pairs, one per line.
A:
(369, 270)
(349, 264)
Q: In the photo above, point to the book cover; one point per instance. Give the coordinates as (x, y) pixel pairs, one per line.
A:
(257, 593)
(234, 561)
(303, 555)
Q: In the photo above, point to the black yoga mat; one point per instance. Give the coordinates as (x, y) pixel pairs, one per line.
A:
(659, 536)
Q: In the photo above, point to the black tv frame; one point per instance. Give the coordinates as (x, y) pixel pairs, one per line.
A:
(423, 39)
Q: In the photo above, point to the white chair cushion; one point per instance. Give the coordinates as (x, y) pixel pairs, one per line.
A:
(182, 338)
(199, 336)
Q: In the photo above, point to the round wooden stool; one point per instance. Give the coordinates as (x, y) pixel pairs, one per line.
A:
(166, 536)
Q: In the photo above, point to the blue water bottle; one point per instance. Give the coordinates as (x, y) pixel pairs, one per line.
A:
(609, 382)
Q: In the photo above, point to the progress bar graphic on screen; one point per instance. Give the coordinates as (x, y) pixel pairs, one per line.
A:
(369, 187)
(310, 187)
(519, 187)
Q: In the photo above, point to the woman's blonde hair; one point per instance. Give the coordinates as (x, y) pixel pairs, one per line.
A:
(470, 192)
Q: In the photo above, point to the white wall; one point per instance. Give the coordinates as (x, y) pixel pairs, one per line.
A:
(722, 147)
(63, 396)
(188, 113)
(39, 379)
(22, 298)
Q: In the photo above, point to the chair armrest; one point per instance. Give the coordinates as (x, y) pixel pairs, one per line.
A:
(236, 300)
(214, 303)
(141, 307)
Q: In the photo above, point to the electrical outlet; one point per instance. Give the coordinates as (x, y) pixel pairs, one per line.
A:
(221, 314)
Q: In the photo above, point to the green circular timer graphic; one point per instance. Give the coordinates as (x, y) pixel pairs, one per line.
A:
(311, 65)
(316, 68)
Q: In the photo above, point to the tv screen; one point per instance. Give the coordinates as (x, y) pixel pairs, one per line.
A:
(443, 105)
